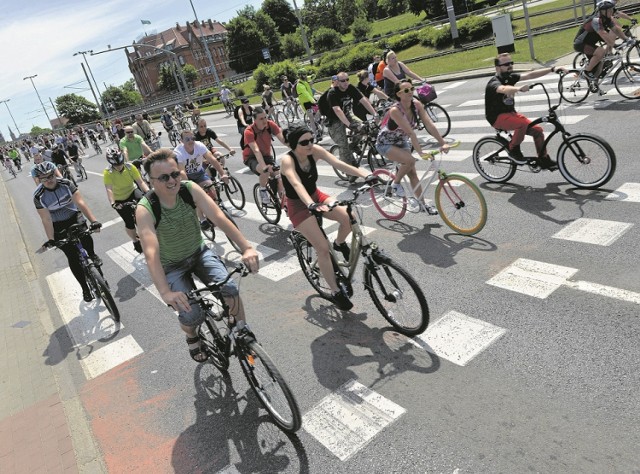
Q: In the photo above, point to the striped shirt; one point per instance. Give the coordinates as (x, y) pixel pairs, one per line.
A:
(59, 200)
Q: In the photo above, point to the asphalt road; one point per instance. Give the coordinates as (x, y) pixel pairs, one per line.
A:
(534, 371)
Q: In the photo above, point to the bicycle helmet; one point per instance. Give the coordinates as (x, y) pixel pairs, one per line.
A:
(605, 5)
(302, 72)
(46, 167)
(114, 156)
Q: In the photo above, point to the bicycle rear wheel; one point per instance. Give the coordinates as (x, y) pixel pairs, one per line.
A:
(103, 292)
(491, 160)
(308, 259)
(215, 344)
(235, 193)
(580, 60)
(439, 117)
(173, 137)
(573, 86)
(461, 204)
(270, 210)
(281, 119)
(385, 200)
(586, 161)
(269, 386)
(396, 295)
(627, 81)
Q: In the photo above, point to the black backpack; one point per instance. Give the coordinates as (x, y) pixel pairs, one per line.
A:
(294, 90)
(152, 197)
(324, 105)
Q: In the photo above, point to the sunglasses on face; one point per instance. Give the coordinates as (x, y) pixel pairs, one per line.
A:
(507, 64)
(343, 80)
(407, 90)
(129, 133)
(164, 178)
(188, 139)
(307, 142)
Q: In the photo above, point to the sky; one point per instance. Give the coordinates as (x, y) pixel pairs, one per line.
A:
(40, 37)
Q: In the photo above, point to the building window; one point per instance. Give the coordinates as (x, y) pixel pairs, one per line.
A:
(181, 59)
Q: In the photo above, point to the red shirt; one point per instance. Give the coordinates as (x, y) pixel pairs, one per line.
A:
(261, 137)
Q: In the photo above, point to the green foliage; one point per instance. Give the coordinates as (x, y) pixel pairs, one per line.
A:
(351, 58)
(270, 33)
(431, 8)
(400, 42)
(35, 131)
(387, 8)
(166, 79)
(271, 73)
(117, 97)
(190, 74)
(292, 46)
(436, 37)
(325, 39)
(77, 109)
(474, 28)
(321, 13)
(244, 44)
(282, 14)
(360, 28)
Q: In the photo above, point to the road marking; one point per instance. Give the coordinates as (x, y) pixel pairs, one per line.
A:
(107, 357)
(529, 277)
(135, 266)
(593, 231)
(453, 85)
(94, 173)
(349, 418)
(117, 220)
(629, 192)
(521, 99)
(603, 290)
(458, 338)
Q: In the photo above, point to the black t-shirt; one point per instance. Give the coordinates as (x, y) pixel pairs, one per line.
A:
(206, 138)
(496, 103)
(72, 150)
(345, 100)
(58, 157)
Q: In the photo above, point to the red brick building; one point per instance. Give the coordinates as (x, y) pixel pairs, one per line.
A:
(145, 62)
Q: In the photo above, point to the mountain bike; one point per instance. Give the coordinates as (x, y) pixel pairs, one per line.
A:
(92, 270)
(458, 200)
(363, 145)
(393, 290)
(272, 210)
(222, 338)
(229, 106)
(584, 160)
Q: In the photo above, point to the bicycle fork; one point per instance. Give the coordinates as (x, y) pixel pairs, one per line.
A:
(391, 296)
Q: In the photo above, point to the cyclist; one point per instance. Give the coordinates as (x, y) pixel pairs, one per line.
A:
(225, 94)
(60, 205)
(74, 156)
(178, 111)
(307, 101)
(299, 176)
(257, 151)
(286, 88)
(396, 71)
(133, 147)
(143, 128)
(174, 248)
(166, 119)
(58, 156)
(366, 88)
(268, 100)
(397, 137)
(124, 186)
(14, 154)
(244, 117)
(37, 159)
(207, 136)
(500, 112)
(617, 29)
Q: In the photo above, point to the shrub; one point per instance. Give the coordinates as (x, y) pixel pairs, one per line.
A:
(360, 28)
(425, 35)
(403, 41)
(351, 58)
(325, 39)
(292, 46)
(474, 28)
(441, 37)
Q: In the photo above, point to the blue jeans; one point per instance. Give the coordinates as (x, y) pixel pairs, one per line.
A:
(208, 267)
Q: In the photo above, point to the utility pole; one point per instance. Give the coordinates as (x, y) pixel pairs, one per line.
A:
(39, 98)
(206, 47)
(303, 32)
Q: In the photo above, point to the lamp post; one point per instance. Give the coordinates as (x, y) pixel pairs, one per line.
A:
(303, 32)
(34, 88)
(14, 120)
(98, 103)
(206, 47)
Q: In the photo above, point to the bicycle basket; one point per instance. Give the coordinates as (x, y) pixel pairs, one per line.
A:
(426, 93)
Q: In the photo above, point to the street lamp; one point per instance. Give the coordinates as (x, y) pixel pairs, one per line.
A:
(14, 120)
(98, 103)
(206, 47)
(34, 88)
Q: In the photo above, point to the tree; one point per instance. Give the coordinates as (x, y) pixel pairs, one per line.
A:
(125, 95)
(77, 109)
(244, 44)
(347, 11)
(325, 39)
(282, 14)
(270, 32)
(391, 8)
(361, 28)
(431, 8)
(35, 131)
(321, 13)
(167, 78)
(292, 46)
(190, 74)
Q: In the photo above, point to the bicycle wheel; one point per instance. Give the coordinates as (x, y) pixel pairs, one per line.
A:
(235, 193)
(375, 159)
(573, 86)
(586, 161)
(233, 221)
(439, 117)
(69, 175)
(13, 172)
(83, 171)
(308, 259)
(214, 342)
(173, 138)
(281, 119)
(269, 386)
(461, 204)
(580, 60)
(396, 295)
(385, 200)
(271, 211)
(633, 53)
(335, 151)
(101, 290)
(627, 81)
(491, 160)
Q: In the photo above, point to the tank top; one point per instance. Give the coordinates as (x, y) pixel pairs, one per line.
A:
(390, 133)
(388, 85)
(307, 178)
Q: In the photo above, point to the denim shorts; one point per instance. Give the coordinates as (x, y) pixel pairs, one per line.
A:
(208, 267)
(383, 148)
(198, 177)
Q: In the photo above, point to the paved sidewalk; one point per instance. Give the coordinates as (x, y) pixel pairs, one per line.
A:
(43, 427)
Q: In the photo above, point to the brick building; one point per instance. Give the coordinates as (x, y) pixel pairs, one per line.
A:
(145, 62)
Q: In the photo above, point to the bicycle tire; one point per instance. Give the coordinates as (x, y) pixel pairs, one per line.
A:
(577, 157)
(173, 138)
(213, 340)
(233, 221)
(580, 60)
(461, 204)
(103, 292)
(374, 159)
(400, 305)
(308, 259)
(234, 192)
(13, 172)
(281, 119)
(384, 200)
(69, 176)
(573, 86)
(269, 386)
(627, 81)
(633, 53)
(272, 211)
(83, 171)
(491, 160)
(335, 151)
(440, 118)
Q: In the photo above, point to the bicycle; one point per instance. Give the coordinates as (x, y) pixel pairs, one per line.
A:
(584, 160)
(393, 290)
(232, 188)
(96, 146)
(92, 271)
(292, 109)
(438, 115)
(278, 115)
(67, 174)
(459, 202)
(318, 119)
(8, 164)
(223, 338)
(271, 211)
(210, 233)
(229, 106)
(183, 123)
(153, 141)
(632, 54)
(362, 144)
(174, 136)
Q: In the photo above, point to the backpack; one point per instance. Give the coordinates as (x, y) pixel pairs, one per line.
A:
(380, 69)
(294, 90)
(247, 118)
(323, 103)
(235, 112)
(152, 197)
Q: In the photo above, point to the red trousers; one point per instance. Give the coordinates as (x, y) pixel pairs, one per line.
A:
(519, 124)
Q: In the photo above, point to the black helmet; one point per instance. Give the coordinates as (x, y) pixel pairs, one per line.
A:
(605, 5)
(46, 167)
(115, 156)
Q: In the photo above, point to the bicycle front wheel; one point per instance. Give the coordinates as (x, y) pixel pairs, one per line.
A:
(214, 342)
(269, 386)
(627, 81)
(83, 171)
(390, 205)
(573, 87)
(491, 160)
(633, 53)
(173, 138)
(281, 119)
(101, 290)
(308, 259)
(235, 193)
(270, 209)
(397, 295)
(335, 151)
(461, 204)
(586, 161)
(439, 117)
(233, 221)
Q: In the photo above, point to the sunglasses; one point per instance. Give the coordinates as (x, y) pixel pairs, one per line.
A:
(307, 142)
(506, 64)
(343, 80)
(164, 178)
(407, 90)
(188, 139)
(129, 133)
(47, 177)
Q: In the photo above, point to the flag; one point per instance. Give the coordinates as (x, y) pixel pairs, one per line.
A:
(145, 22)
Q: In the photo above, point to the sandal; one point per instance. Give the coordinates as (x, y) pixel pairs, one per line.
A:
(196, 351)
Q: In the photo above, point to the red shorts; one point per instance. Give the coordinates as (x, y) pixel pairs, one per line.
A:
(298, 212)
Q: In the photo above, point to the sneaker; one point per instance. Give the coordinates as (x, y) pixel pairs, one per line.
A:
(78, 175)
(264, 196)
(516, 153)
(205, 225)
(343, 248)
(547, 163)
(431, 210)
(590, 75)
(341, 301)
(398, 190)
(87, 295)
(137, 246)
(97, 261)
